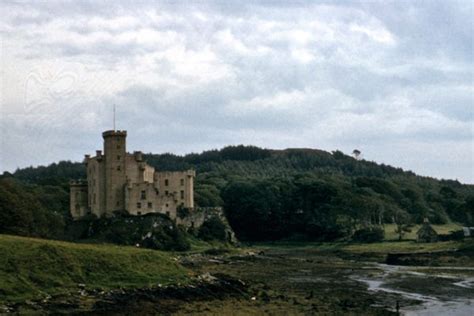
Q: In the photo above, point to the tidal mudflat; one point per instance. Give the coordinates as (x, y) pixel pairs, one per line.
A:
(319, 279)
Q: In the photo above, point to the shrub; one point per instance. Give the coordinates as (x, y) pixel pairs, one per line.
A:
(369, 234)
(212, 229)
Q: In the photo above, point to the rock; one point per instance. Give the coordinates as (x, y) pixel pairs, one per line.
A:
(5, 309)
(207, 277)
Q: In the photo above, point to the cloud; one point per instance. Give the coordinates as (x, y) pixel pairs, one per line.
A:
(377, 76)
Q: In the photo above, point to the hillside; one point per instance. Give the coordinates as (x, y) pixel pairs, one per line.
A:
(287, 192)
(34, 268)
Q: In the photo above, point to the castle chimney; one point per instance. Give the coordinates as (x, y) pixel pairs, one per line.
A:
(138, 156)
(98, 153)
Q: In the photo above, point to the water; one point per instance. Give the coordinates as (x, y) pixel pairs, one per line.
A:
(437, 299)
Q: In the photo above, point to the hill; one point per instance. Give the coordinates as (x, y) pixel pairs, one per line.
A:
(34, 268)
(273, 194)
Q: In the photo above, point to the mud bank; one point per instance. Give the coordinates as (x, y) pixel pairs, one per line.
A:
(435, 258)
(157, 300)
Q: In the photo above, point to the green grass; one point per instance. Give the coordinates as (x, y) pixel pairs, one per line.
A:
(401, 246)
(31, 268)
(200, 246)
(390, 233)
(369, 248)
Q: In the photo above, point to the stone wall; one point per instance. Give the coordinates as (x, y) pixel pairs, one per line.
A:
(193, 219)
(179, 184)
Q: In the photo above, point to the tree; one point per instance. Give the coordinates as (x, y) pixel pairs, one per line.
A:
(356, 154)
(213, 229)
(403, 222)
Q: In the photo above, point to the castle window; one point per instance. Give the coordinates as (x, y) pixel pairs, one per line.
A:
(182, 181)
(166, 182)
(182, 194)
(139, 213)
(166, 193)
(143, 195)
(166, 205)
(150, 205)
(139, 205)
(118, 168)
(168, 214)
(118, 157)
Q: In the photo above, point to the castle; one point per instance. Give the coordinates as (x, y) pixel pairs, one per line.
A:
(118, 181)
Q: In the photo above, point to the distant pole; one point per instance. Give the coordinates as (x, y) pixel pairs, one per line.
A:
(114, 117)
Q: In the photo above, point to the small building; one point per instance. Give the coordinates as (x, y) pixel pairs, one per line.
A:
(426, 233)
(468, 232)
(118, 181)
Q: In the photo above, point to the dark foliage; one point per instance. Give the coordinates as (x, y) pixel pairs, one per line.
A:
(154, 231)
(29, 211)
(369, 234)
(212, 229)
(269, 194)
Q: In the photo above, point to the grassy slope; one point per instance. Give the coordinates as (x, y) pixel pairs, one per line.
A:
(31, 268)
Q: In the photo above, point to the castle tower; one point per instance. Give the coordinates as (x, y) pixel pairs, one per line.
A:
(115, 170)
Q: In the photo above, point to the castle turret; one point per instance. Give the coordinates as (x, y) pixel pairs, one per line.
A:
(115, 170)
(78, 198)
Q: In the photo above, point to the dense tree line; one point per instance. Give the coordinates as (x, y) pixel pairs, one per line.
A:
(327, 207)
(269, 194)
(36, 211)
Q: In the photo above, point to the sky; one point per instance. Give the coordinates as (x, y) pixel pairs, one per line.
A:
(392, 79)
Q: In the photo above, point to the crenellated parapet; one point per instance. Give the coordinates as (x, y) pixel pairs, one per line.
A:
(78, 183)
(114, 133)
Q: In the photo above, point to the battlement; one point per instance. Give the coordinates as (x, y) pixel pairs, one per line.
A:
(77, 183)
(114, 133)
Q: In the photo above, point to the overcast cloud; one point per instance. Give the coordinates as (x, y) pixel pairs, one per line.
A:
(392, 79)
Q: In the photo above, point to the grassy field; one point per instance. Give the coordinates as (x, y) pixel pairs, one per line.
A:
(369, 248)
(402, 246)
(390, 233)
(33, 268)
